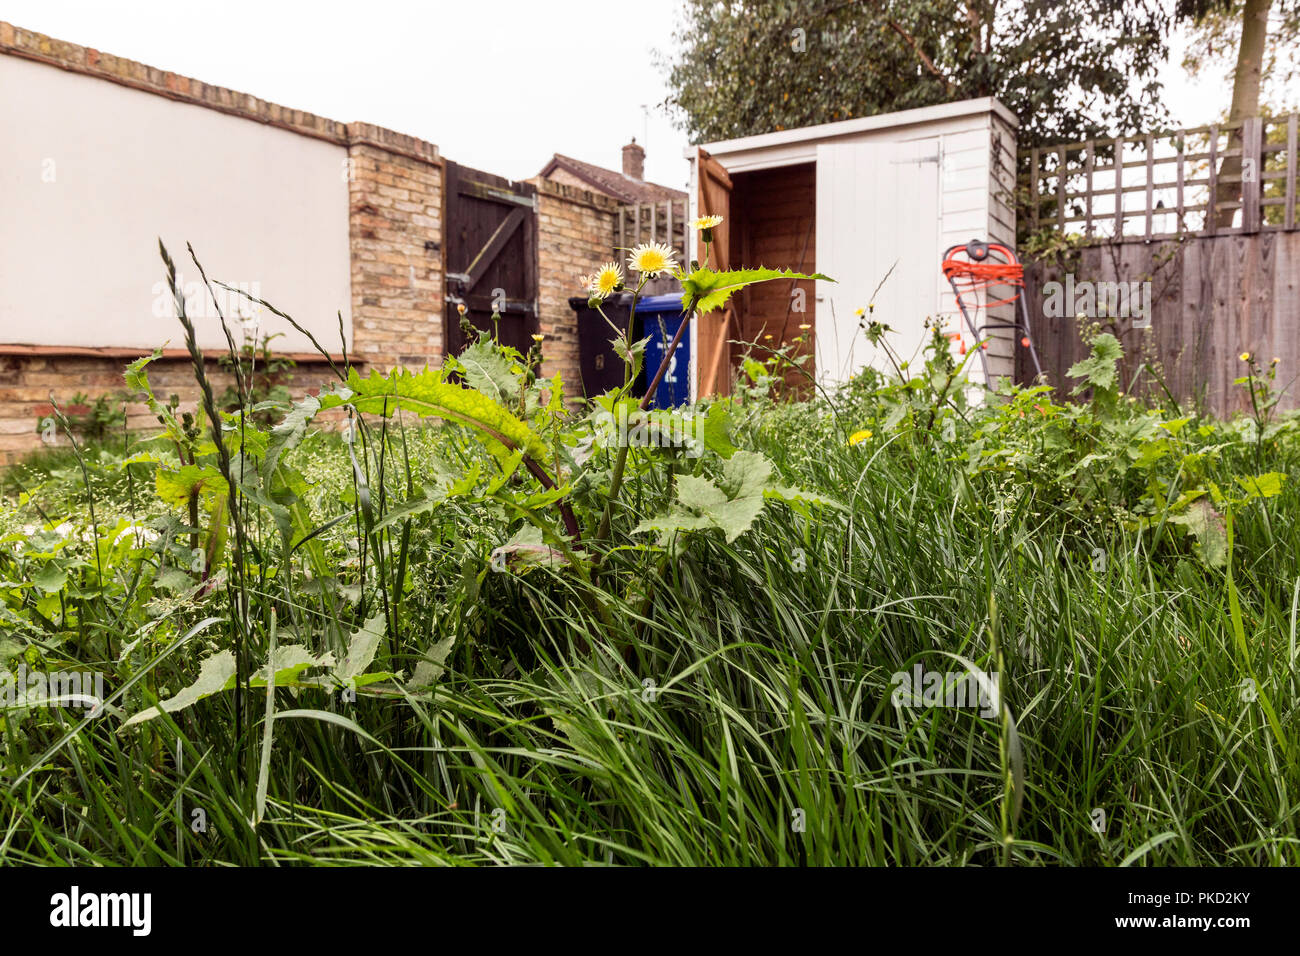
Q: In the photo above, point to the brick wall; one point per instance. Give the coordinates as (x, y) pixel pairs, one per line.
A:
(396, 238)
(27, 382)
(575, 236)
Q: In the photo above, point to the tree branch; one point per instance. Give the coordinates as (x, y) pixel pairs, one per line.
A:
(921, 55)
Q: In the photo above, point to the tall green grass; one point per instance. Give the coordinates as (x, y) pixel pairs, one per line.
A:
(735, 709)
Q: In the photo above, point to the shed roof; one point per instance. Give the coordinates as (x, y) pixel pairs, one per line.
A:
(863, 124)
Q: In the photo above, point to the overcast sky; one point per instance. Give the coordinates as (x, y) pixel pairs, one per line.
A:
(499, 85)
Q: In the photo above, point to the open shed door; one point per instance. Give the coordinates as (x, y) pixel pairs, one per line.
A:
(877, 210)
(715, 330)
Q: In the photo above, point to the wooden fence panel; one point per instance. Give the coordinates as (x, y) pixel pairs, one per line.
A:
(1212, 298)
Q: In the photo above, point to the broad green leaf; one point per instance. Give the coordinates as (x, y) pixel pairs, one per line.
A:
(427, 394)
(216, 673)
(176, 486)
(289, 433)
(487, 370)
(430, 668)
(1264, 486)
(361, 649)
(705, 290)
(731, 504)
(1100, 369)
(51, 579)
(415, 505)
(1207, 526)
(290, 661)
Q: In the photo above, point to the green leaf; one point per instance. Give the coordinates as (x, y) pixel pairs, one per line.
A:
(290, 660)
(216, 673)
(289, 433)
(361, 649)
(176, 486)
(731, 504)
(1264, 486)
(428, 670)
(1100, 369)
(428, 395)
(51, 579)
(1207, 526)
(705, 290)
(488, 371)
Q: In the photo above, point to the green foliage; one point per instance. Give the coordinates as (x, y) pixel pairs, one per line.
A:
(705, 290)
(265, 376)
(97, 420)
(1068, 71)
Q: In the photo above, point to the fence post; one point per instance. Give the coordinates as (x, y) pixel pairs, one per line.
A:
(1212, 195)
(1290, 171)
(1252, 135)
(1118, 166)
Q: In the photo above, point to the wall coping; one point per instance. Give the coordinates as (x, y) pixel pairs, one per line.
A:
(573, 194)
(123, 352)
(30, 45)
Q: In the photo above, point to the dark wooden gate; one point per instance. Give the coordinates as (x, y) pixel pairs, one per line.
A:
(490, 255)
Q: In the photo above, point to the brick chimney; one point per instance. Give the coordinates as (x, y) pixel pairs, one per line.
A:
(634, 160)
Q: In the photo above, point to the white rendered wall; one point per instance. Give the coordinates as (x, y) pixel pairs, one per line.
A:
(93, 173)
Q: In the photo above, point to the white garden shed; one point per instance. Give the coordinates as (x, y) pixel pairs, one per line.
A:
(853, 200)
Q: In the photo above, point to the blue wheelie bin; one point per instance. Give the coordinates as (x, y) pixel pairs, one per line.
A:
(659, 317)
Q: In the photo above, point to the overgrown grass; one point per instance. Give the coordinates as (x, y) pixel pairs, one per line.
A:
(768, 695)
(717, 699)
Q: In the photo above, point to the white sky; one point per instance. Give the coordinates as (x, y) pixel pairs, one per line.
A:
(499, 85)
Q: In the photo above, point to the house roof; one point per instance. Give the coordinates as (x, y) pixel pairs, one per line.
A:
(612, 183)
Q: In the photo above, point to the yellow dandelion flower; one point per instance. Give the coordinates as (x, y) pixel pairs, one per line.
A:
(805, 327)
(1244, 356)
(1276, 360)
(460, 307)
(858, 437)
(859, 312)
(608, 278)
(539, 338)
(707, 222)
(652, 258)
(768, 337)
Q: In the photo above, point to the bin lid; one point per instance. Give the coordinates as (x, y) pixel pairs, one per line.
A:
(661, 303)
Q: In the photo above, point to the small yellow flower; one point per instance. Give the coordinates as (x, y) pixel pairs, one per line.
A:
(707, 222)
(1276, 360)
(652, 258)
(805, 327)
(539, 339)
(460, 307)
(1244, 356)
(859, 312)
(858, 437)
(768, 337)
(608, 278)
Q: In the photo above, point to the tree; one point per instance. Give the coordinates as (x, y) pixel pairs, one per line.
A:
(1221, 25)
(1069, 70)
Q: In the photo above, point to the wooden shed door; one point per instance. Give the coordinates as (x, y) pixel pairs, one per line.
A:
(490, 255)
(877, 210)
(713, 331)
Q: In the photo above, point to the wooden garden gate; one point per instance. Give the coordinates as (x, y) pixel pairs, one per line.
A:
(490, 254)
